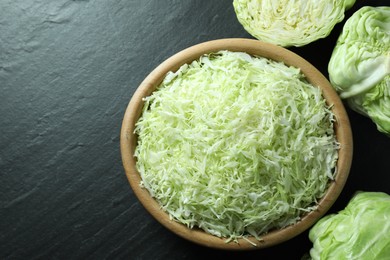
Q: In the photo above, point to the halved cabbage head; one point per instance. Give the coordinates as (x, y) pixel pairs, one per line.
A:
(292, 22)
(359, 67)
(360, 231)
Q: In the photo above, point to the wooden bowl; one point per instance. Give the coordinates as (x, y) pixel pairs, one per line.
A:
(128, 141)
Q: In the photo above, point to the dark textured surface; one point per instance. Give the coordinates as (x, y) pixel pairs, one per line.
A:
(67, 72)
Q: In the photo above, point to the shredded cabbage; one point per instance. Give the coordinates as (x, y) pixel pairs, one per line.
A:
(236, 145)
(292, 22)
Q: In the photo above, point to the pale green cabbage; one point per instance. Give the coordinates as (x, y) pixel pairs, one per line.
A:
(359, 67)
(236, 145)
(360, 231)
(290, 22)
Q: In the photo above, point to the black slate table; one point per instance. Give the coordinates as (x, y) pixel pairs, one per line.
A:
(67, 72)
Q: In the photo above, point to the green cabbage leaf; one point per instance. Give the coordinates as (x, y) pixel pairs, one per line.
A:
(236, 145)
(360, 231)
(290, 22)
(359, 68)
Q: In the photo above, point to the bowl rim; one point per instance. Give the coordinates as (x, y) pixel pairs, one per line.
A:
(254, 47)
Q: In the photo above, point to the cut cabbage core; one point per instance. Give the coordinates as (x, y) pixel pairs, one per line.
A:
(236, 145)
(290, 22)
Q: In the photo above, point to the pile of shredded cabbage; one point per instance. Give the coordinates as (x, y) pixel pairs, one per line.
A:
(236, 145)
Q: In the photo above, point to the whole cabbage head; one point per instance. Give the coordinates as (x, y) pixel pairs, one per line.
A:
(359, 68)
(290, 22)
(360, 231)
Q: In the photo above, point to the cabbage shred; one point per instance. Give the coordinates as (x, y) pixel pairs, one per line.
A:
(236, 145)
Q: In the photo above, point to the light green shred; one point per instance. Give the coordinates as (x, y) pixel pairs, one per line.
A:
(236, 145)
